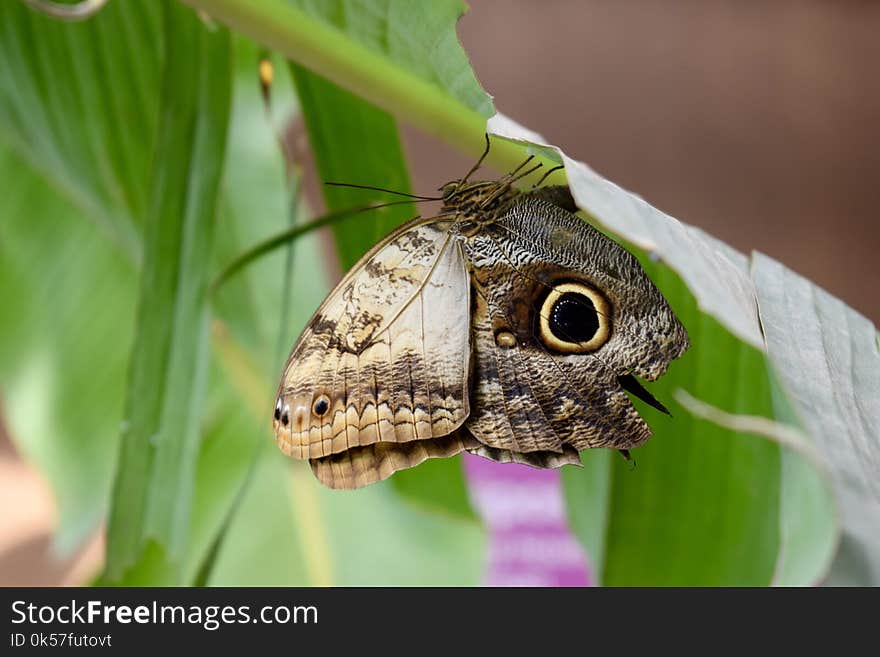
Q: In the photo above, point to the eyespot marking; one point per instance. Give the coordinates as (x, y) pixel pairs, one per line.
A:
(574, 318)
(321, 405)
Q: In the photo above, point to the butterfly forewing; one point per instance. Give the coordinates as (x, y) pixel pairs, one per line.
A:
(385, 358)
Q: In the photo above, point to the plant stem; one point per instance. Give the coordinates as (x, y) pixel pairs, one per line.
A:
(281, 26)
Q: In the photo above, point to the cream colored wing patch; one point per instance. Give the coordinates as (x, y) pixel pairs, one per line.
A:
(385, 358)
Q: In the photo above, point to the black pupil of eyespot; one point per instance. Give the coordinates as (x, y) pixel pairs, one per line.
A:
(277, 412)
(573, 318)
(321, 406)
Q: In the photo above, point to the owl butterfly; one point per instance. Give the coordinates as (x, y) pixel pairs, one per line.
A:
(505, 326)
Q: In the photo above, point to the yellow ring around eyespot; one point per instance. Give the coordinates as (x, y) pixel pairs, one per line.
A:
(603, 314)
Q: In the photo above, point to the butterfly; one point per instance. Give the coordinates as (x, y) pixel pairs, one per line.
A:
(504, 326)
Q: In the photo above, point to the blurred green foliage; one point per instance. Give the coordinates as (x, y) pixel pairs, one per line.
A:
(138, 159)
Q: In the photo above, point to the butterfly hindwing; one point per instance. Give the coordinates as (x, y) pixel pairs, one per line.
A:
(529, 395)
(360, 466)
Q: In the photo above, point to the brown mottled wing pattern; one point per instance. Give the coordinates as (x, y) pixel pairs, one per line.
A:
(383, 361)
(526, 397)
(507, 328)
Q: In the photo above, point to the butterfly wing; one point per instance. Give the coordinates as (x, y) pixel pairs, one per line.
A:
(359, 466)
(531, 392)
(562, 319)
(384, 360)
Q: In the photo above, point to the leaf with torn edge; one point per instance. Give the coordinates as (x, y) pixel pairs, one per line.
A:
(824, 354)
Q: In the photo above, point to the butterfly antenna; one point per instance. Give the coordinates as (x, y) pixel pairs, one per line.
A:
(383, 205)
(510, 179)
(513, 173)
(547, 174)
(291, 233)
(382, 189)
(480, 161)
(528, 172)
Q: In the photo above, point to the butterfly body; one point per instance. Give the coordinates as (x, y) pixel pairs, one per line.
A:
(504, 326)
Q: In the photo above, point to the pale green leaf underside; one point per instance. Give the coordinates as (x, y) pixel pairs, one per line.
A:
(824, 352)
(827, 358)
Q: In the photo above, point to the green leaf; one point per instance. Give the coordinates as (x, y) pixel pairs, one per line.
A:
(154, 482)
(259, 199)
(718, 277)
(428, 549)
(405, 58)
(701, 504)
(724, 287)
(437, 485)
(827, 358)
(706, 503)
(421, 42)
(228, 451)
(335, 120)
(808, 530)
(77, 104)
(65, 331)
(588, 496)
(264, 544)
(290, 531)
(250, 312)
(78, 108)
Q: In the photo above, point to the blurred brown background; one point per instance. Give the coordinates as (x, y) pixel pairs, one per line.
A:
(757, 121)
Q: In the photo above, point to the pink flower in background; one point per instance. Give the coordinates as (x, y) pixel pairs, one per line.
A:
(530, 543)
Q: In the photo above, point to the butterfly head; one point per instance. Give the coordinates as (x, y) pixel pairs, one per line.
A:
(475, 204)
